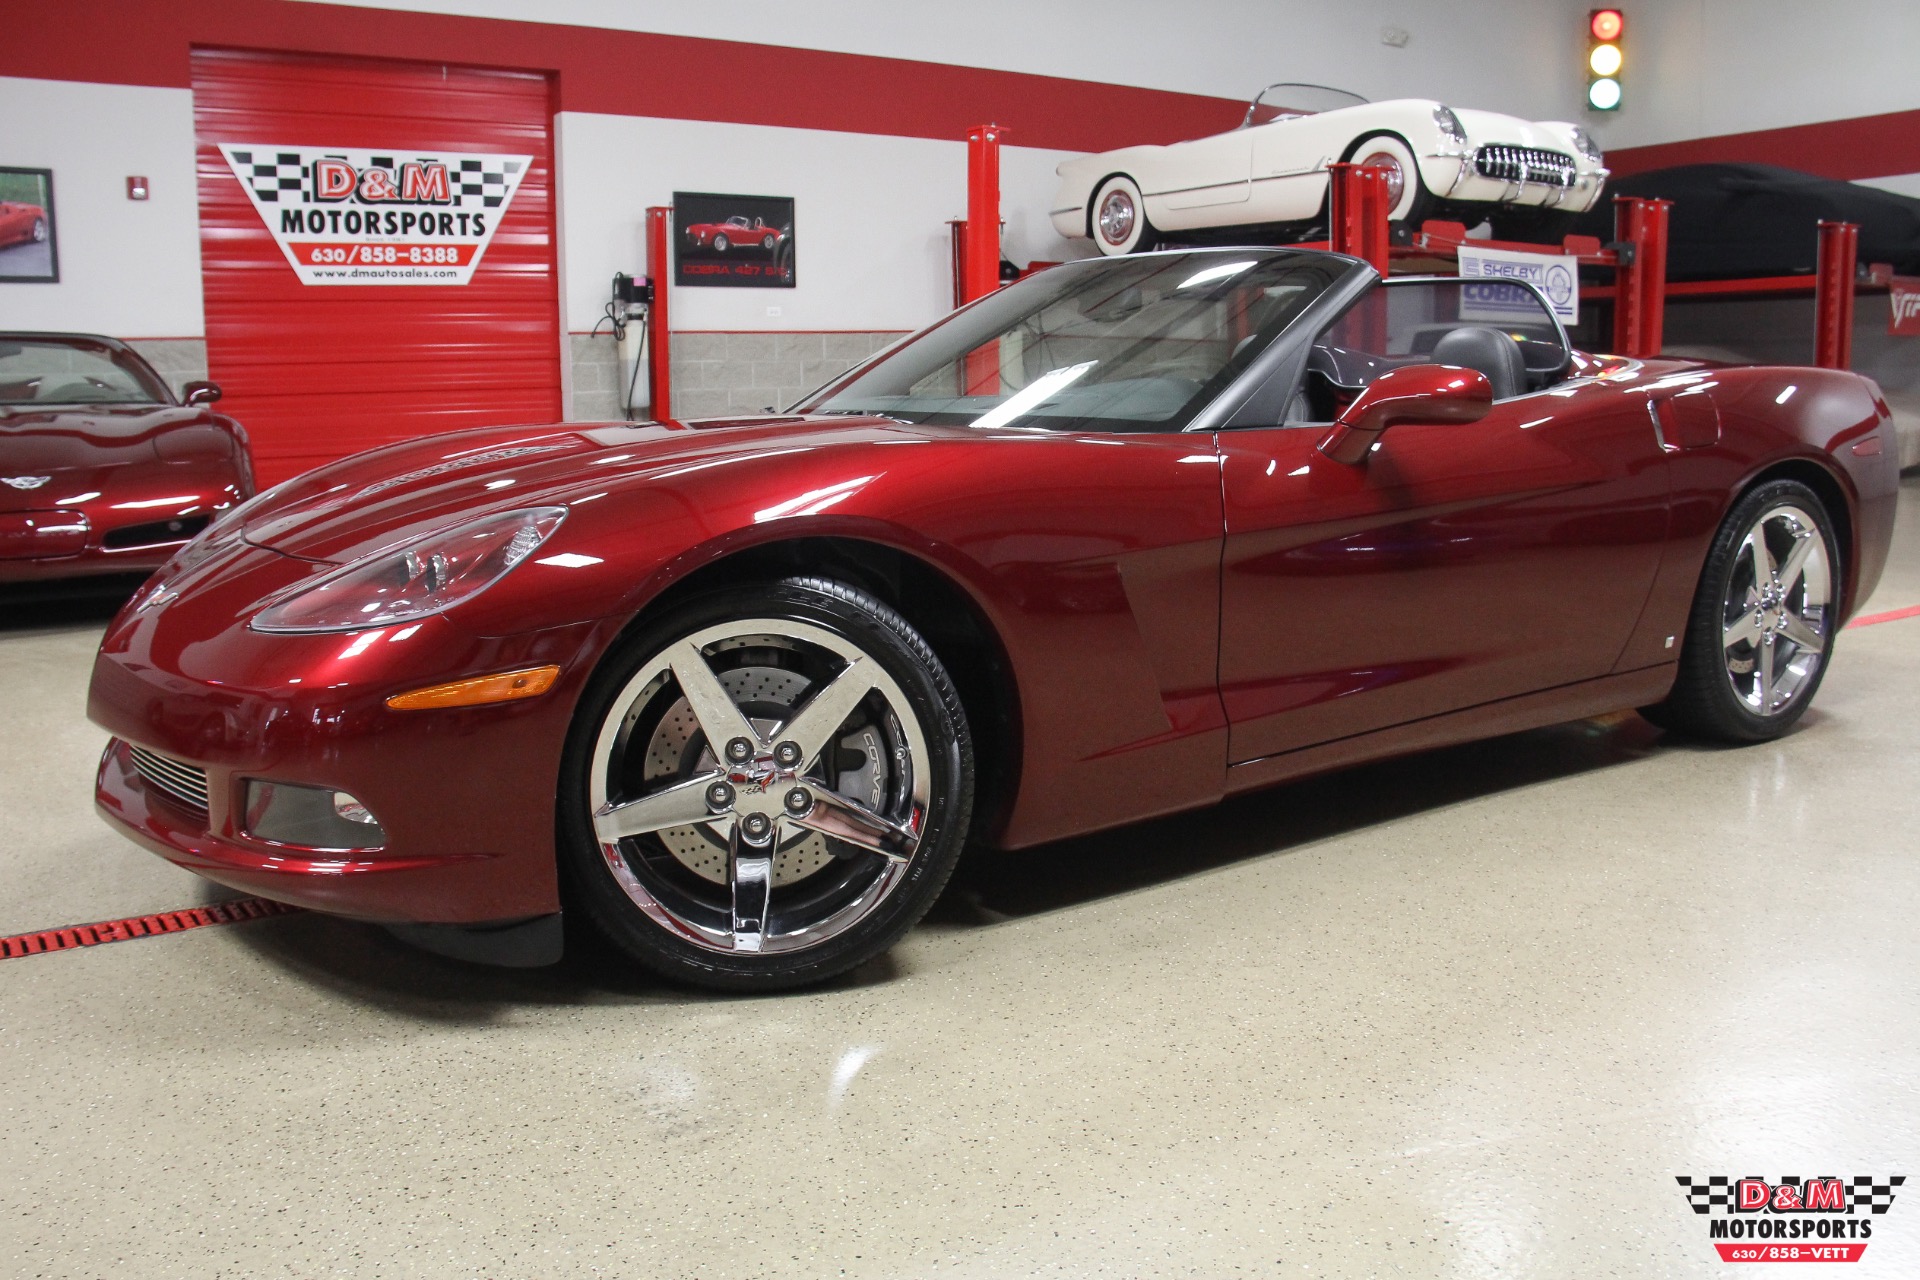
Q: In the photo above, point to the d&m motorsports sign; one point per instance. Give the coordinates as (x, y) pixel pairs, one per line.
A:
(346, 216)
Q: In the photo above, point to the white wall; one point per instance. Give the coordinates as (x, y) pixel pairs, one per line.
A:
(1699, 68)
(1520, 56)
(870, 216)
(127, 268)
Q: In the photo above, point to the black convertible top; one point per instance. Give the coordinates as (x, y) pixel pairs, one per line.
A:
(1732, 220)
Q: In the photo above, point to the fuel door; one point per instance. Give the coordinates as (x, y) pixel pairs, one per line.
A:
(1685, 418)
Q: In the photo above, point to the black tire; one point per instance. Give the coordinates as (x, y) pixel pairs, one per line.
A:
(767, 242)
(720, 244)
(1713, 698)
(920, 688)
(39, 230)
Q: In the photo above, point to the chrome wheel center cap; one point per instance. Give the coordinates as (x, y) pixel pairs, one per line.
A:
(755, 776)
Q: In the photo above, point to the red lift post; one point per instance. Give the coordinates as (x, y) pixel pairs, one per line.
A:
(980, 245)
(1640, 277)
(1358, 212)
(1833, 296)
(659, 371)
(980, 249)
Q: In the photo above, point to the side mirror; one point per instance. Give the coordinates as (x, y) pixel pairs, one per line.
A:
(1429, 393)
(195, 394)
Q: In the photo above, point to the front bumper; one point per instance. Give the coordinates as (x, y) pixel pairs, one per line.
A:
(144, 517)
(465, 795)
(1455, 177)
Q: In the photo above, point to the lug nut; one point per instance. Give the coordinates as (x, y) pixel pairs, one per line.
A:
(739, 751)
(787, 755)
(798, 801)
(719, 796)
(756, 827)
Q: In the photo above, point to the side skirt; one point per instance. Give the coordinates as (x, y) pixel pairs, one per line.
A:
(1510, 715)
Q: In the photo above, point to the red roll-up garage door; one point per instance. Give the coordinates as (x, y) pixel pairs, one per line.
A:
(318, 370)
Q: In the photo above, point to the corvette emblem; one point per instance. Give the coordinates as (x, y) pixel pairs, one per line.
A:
(26, 482)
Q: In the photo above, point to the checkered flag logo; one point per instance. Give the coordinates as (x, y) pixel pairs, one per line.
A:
(1705, 1197)
(1872, 1194)
(485, 182)
(269, 173)
(490, 178)
(1865, 1193)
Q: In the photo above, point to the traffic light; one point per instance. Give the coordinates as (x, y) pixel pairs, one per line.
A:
(1604, 59)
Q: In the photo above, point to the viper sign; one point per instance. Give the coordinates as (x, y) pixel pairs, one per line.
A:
(346, 216)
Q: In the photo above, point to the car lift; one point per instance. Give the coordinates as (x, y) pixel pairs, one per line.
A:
(1358, 208)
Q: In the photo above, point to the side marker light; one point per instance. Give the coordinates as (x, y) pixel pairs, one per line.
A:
(505, 687)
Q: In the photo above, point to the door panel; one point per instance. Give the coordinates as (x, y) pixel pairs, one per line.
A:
(1204, 172)
(1457, 565)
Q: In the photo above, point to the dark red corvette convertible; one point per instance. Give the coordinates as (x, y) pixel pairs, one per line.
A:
(1121, 539)
(101, 470)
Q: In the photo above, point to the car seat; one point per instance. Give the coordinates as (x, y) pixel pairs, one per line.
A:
(1491, 352)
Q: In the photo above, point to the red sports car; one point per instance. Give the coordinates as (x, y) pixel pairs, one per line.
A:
(1121, 539)
(101, 469)
(20, 221)
(736, 232)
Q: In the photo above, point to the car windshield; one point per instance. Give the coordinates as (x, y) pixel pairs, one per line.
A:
(74, 371)
(1287, 101)
(1123, 344)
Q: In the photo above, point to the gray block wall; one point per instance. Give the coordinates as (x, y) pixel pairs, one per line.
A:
(178, 360)
(715, 374)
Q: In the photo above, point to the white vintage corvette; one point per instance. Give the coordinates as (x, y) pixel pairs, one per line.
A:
(1271, 172)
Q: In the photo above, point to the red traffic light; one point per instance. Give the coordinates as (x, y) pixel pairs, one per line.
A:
(1606, 24)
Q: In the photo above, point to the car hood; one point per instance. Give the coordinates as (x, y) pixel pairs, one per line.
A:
(1491, 127)
(75, 448)
(359, 505)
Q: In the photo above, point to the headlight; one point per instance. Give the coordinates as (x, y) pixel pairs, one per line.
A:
(1587, 146)
(1449, 126)
(422, 577)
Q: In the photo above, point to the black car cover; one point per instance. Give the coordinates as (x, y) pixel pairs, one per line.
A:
(1733, 220)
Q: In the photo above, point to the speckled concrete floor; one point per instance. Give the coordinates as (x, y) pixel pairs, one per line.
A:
(1466, 1014)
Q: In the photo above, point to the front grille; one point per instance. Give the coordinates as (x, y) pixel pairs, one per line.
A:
(1525, 165)
(159, 533)
(185, 782)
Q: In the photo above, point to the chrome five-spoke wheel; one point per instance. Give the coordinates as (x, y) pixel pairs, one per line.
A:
(772, 794)
(1778, 610)
(1763, 621)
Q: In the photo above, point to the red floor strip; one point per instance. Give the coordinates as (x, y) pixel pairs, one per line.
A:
(92, 935)
(1893, 616)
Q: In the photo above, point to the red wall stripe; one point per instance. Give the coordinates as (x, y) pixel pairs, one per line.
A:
(1862, 147)
(615, 72)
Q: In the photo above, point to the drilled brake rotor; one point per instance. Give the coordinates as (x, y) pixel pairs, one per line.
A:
(767, 696)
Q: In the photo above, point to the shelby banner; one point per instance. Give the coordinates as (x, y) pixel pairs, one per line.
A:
(1791, 1219)
(347, 216)
(1556, 276)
